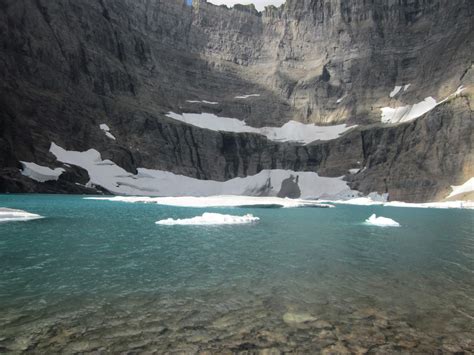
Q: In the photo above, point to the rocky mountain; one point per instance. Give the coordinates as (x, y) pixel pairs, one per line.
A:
(106, 74)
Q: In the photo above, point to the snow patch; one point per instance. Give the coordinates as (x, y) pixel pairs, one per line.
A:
(353, 171)
(210, 219)
(408, 113)
(243, 97)
(106, 130)
(468, 186)
(411, 112)
(149, 182)
(291, 131)
(381, 221)
(10, 215)
(202, 102)
(395, 91)
(40, 173)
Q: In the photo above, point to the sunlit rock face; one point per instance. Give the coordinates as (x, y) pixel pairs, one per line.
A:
(70, 68)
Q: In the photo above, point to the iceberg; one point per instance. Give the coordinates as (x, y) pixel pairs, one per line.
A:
(381, 221)
(11, 215)
(210, 219)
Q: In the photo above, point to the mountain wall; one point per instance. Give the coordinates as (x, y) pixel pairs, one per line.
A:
(70, 66)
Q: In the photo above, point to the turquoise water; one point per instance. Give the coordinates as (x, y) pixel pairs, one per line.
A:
(102, 275)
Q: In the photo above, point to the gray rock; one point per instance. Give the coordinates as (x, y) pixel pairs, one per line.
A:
(67, 67)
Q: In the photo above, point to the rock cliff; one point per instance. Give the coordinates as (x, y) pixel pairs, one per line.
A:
(68, 67)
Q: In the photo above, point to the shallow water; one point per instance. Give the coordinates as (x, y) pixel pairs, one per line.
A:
(101, 275)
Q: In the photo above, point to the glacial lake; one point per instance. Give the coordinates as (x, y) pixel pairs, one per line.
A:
(102, 276)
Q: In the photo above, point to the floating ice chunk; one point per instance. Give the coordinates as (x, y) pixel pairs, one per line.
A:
(210, 219)
(11, 215)
(243, 97)
(106, 130)
(40, 173)
(468, 186)
(381, 221)
(291, 131)
(395, 91)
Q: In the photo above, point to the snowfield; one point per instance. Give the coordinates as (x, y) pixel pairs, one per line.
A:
(291, 131)
(40, 173)
(150, 182)
(409, 113)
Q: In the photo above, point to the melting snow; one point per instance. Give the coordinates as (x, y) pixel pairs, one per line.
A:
(243, 97)
(107, 174)
(210, 219)
(106, 130)
(411, 112)
(40, 173)
(381, 221)
(202, 102)
(395, 91)
(408, 113)
(290, 132)
(10, 215)
(468, 186)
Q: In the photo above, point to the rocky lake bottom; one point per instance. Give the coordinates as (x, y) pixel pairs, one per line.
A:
(102, 277)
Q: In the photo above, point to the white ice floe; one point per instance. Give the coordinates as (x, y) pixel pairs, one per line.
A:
(291, 131)
(217, 201)
(411, 112)
(210, 219)
(106, 130)
(149, 182)
(40, 173)
(202, 102)
(243, 97)
(381, 221)
(468, 186)
(11, 215)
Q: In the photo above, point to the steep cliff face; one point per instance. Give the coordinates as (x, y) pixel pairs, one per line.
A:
(68, 67)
